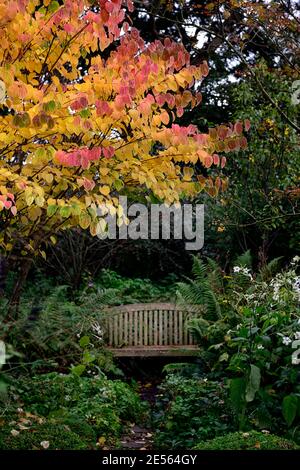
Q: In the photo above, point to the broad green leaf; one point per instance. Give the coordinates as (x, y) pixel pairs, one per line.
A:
(65, 211)
(84, 341)
(54, 5)
(49, 106)
(118, 185)
(253, 383)
(237, 394)
(289, 408)
(78, 370)
(51, 210)
(88, 357)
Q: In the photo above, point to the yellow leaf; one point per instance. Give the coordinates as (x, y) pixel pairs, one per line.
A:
(48, 177)
(84, 220)
(101, 441)
(105, 190)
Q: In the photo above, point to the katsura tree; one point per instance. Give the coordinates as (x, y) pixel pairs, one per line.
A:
(88, 110)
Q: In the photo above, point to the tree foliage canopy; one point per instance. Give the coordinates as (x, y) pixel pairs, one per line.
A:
(78, 126)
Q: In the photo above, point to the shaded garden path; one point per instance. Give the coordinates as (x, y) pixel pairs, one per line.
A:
(141, 437)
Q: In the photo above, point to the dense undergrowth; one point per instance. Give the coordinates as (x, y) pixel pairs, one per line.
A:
(60, 389)
(68, 412)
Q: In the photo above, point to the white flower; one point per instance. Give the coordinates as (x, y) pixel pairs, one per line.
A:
(45, 444)
(236, 269)
(96, 327)
(286, 340)
(260, 346)
(295, 359)
(296, 259)
(297, 335)
(14, 432)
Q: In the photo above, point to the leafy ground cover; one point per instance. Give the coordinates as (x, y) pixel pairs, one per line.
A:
(242, 391)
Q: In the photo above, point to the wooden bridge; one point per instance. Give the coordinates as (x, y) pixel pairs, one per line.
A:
(150, 330)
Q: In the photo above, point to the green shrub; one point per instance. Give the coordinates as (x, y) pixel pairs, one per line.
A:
(130, 406)
(254, 343)
(92, 407)
(189, 410)
(59, 437)
(252, 440)
(82, 429)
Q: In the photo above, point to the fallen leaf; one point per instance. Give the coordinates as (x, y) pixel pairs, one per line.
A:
(101, 441)
(45, 444)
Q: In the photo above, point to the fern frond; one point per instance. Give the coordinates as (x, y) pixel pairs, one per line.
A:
(244, 260)
(269, 270)
(198, 327)
(214, 275)
(199, 269)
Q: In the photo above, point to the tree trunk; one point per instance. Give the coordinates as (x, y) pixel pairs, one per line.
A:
(13, 307)
(2, 274)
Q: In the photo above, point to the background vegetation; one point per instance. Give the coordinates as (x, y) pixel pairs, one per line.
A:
(61, 389)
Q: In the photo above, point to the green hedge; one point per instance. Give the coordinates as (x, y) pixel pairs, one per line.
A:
(252, 440)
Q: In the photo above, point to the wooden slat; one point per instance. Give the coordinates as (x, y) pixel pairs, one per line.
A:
(141, 324)
(109, 331)
(155, 327)
(150, 328)
(146, 327)
(185, 333)
(154, 351)
(175, 320)
(171, 328)
(130, 330)
(115, 336)
(152, 306)
(165, 327)
(160, 327)
(125, 314)
(180, 327)
(136, 318)
(190, 337)
(121, 329)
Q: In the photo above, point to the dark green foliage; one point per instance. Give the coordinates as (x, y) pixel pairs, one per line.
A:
(90, 407)
(252, 440)
(258, 211)
(189, 410)
(59, 436)
(200, 291)
(127, 290)
(50, 318)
